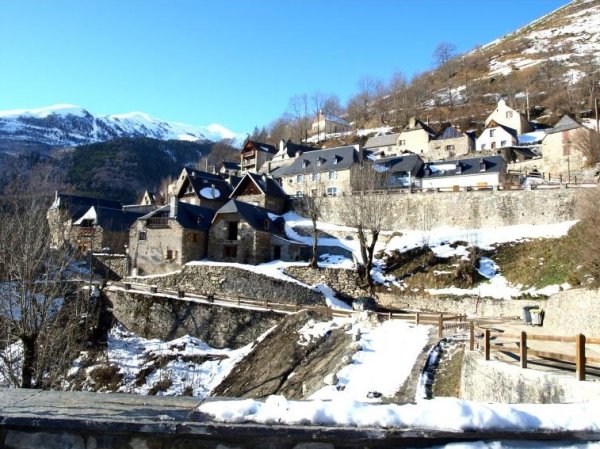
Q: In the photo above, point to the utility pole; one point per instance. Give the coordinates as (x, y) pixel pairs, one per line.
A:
(527, 102)
(597, 122)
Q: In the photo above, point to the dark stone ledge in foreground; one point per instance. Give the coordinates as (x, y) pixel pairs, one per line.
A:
(79, 420)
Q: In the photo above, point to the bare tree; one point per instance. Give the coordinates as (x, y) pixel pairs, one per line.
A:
(368, 213)
(43, 316)
(587, 142)
(311, 204)
(298, 111)
(443, 56)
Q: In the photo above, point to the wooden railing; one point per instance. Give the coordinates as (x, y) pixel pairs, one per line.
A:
(487, 340)
(157, 222)
(445, 323)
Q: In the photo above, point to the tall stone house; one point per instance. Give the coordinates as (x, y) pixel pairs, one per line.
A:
(255, 155)
(506, 116)
(415, 137)
(286, 154)
(169, 237)
(479, 172)
(496, 136)
(330, 167)
(450, 143)
(246, 233)
(328, 124)
(261, 190)
(561, 152)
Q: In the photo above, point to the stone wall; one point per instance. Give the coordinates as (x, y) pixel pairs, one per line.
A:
(234, 281)
(474, 209)
(460, 147)
(167, 319)
(487, 307)
(339, 279)
(494, 381)
(574, 312)
(112, 266)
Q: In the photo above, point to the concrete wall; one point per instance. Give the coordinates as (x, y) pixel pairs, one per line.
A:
(167, 319)
(574, 312)
(486, 307)
(474, 209)
(234, 281)
(493, 381)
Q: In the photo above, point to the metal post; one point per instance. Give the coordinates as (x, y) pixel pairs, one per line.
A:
(580, 357)
(486, 344)
(441, 326)
(472, 336)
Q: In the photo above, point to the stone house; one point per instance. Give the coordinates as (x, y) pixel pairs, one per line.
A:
(287, 153)
(509, 117)
(479, 172)
(560, 152)
(382, 146)
(250, 234)
(330, 167)
(67, 209)
(169, 237)
(261, 190)
(103, 230)
(152, 199)
(203, 189)
(328, 124)
(450, 143)
(402, 171)
(415, 137)
(254, 155)
(229, 168)
(496, 136)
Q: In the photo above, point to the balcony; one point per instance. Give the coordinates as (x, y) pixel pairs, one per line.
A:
(157, 222)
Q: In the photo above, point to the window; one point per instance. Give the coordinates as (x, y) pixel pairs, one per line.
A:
(493, 145)
(336, 160)
(319, 162)
(449, 147)
(305, 163)
(492, 132)
(508, 114)
(402, 142)
(316, 176)
(299, 178)
(266, 223)
(331, 191)
(169, 254)
(230, 251)
(299, 194)
(232, 230)
(332, 175)
(142, 235)
(502, 143)
(483, 146)
(195, 238)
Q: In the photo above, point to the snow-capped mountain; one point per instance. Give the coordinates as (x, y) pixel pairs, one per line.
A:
(65, 125)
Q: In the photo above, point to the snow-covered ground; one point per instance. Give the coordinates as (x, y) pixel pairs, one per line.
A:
(187, 362)
(442, 414)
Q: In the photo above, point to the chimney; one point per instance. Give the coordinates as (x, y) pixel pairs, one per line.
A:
(412, 122)
(281, 145)
(173, 207)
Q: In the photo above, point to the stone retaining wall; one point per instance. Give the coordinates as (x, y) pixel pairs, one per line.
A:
(574, 312)
(234, 281)
(494, 381)
(341, 280)
(486, 308)
(167, 319)
(474, 209)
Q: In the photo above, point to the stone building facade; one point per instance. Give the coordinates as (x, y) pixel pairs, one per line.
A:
(509, 117)
(415, 137)
(261, 190)
(450, 143)
(561, 147)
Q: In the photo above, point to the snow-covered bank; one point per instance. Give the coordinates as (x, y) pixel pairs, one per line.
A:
(442, 414)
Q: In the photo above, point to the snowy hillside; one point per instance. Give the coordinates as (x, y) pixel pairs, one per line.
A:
(564, 35)
(67, 125)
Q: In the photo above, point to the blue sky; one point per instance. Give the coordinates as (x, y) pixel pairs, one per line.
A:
(230, 62)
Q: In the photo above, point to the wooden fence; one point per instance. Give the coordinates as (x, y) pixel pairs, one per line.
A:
(445, 323)
(488, 340)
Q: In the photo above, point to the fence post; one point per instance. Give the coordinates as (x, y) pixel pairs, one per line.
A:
(580, 357)
(486, 344)
(417, 319)
(472, 336)
(441, 326)
(523, 349)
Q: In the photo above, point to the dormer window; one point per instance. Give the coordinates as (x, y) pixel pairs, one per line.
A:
(320, 161)
(266, 224)
(458, 169)
(336, 160)
(481, 165)
(305, 163)
(509, 114)
(427, 171)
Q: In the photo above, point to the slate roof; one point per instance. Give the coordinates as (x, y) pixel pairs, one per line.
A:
(292, 148)
(189, 216)
(334, 159)
(511, 131)
(255, 216)
(231, 165)
(420, 125)
(336, 119)
(219, 184)
(405, 163)
(382, 141)
(267, 184)
(566, 123)
(450, 132)
(115, 220)
(260, 146)
(471, 166)
(195, 173)
(76, 206)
